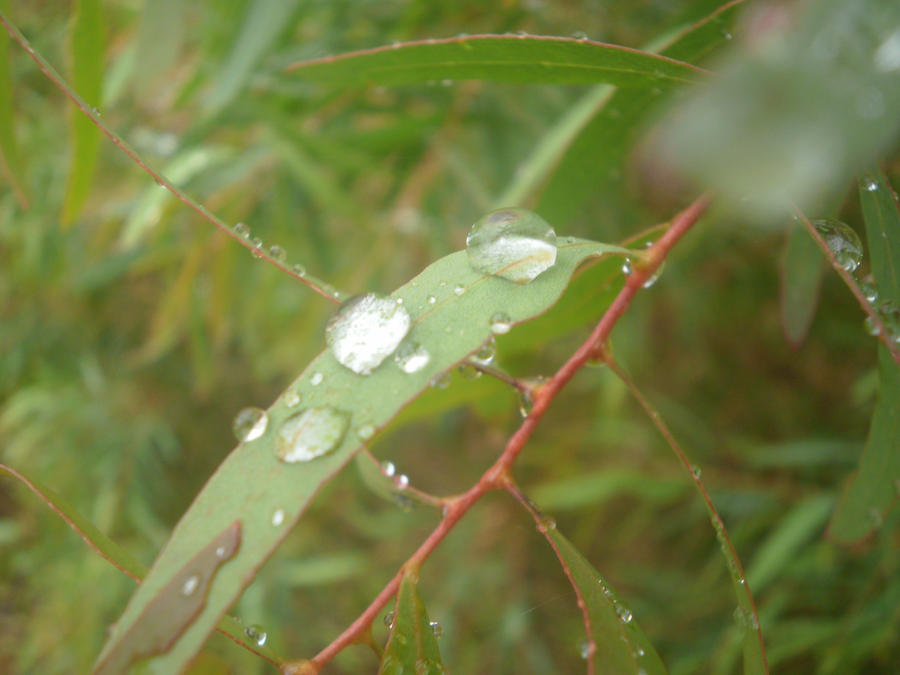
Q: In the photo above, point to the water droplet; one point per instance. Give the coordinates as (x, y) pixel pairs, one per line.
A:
(249, 424)
(242, 230)
(726, 35)
(299, 270)
(389, 620)
(366, 330)
(843, 242)
(652, 279)
(585, 649)
(696, 471)
(486, 353)
(190, 585)
(515, 244)
(257, 244)
(402, 481)
(256, 634)
(292, 399)
(624, 613)
(441, 381)
(871, 327)
(469, 372)
(221, 551)
(869, 291)
(365, 432)
(316, 379)
(500, 323)
(870, 185)
(388, 468)
(889, 313)
(431, 299)
(458, 290)
(310, 434)
(436, 628)
(411, 357)
(580, 35)
(277, 253)
(278, 517)
(627, 268)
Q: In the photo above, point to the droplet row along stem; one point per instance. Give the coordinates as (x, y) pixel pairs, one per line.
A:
(497, 475)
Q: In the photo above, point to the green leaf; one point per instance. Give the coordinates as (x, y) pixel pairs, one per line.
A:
(596, 155)
(525, 59)
(875, 487)
(620, 646)
(118, 556)
(10, 156)
(161, 32)
(412, 646)
(801, 277)
(87, 51)
(267, 496)
(264, 22)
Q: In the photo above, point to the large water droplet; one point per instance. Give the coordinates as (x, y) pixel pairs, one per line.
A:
(512, 243)
(843, 242)
(500, 323)
(486, 353)
(585, 649)
(889, 313)
(366, 330)
(411, 357)
(869, 291)
(249, 424)
(277, 253)
(310, 434)
(257, 634)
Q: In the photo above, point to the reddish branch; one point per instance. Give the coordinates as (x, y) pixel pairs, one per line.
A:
(497, 476)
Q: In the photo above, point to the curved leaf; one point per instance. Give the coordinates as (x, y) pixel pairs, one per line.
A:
(452, 307)
(412, 646)
(525, 59)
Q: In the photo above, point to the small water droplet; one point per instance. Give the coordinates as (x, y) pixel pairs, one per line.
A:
(458, 290)
(627, 267)
(844, 243)
(310, 434)
(365, 432)
(871, 327)
(726, 35)
(514, 244)
(624, 613)
(256, 251)
(221, 551)
(366, 330)
(316, 379)
(249, 424)
(278, 517)
(292, 399)
(411, 357)
(869, 291)
(436, 628)
(257, 634)
(485, 354)
(696, 471)
(431, 299)
(441, 381)
(500, 323)
(389, 620)
(190, 585)
(889, 313)
(277, 253)
(299, 270)
(469, 372)
(388, 468)
(242, 230)
(402, 481)
(870, 185)
(585, 649)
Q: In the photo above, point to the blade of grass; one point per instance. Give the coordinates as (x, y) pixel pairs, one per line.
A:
(10, 155)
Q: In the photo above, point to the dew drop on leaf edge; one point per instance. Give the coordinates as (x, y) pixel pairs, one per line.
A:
(843, 241)
(366, 330)
(257, 634)
(511, 243)
(500, 323)
(249, 424)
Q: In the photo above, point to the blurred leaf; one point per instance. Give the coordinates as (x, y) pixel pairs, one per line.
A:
(267, 496)
(264, 22)
(801, 277)
(599, 150)
(10, 155)
(620, 646)
(500, 58)
(874, 489)
(160, 36)
(412, 646)
(577, 492)
(87, 54)
(801, 109)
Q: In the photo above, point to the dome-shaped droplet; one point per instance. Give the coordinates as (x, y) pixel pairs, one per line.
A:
(436, 628)
(190, 585)
(316, 379)
(889, 313)
(299, 269)
(512, 243)
(249, 424)
(292, 399)
(277, 517)
(389, 620)
(366, 330)
(585, 649)
(277, 253)
(485, 354)
(242, 230)
(257, 634)
(257, 244)
(411, 357)
(843, 242)
(500, 323)
(459, 290)
(402, 481)
(310, 434)
(388, 468)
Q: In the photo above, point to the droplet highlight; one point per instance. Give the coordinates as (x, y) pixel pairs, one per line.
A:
(249, 424)
(316, 379)
(500, 323)
(366, 330)
(310, 434)
(411, 357)
(843, 241)
(512, 243)
(257, 634)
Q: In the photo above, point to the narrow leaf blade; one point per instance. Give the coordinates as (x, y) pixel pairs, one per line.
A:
(501, 58)
(801, 277)
(267, 496)
(620, 646)
(10, 155)
(412, 646)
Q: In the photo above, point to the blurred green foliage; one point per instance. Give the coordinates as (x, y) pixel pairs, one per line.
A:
(130, 338)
